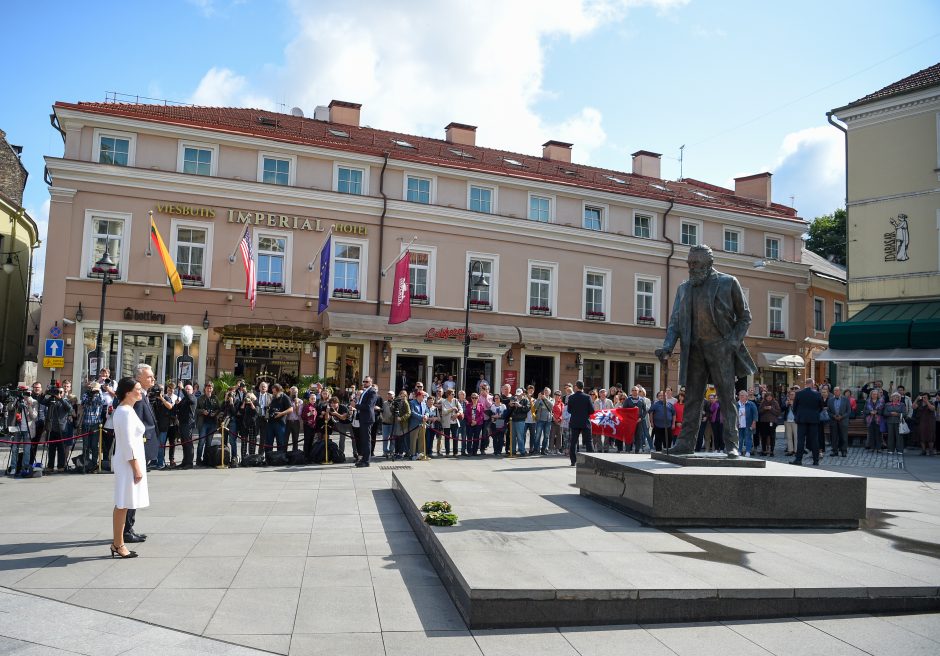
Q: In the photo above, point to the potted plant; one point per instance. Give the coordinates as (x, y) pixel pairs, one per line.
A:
(345, 292)
(646, 321)
(420, 299)
(779, 334)
(595, 315)
(192, 279)
(540, 310)
(270, 286)
(480, 304)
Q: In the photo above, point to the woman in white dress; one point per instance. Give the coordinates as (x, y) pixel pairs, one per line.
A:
(128, 462)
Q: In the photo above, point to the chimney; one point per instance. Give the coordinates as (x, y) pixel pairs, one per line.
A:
(557, 151)
(756, 187)
(646, 163)
(345, 113)
(460, 133)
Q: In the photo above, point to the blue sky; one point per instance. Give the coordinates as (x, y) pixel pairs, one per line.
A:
(744, 85)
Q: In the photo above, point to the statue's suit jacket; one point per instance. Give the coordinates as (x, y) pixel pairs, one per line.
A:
(729, 312)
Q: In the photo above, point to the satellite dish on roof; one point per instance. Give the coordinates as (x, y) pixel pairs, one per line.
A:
(297, 111)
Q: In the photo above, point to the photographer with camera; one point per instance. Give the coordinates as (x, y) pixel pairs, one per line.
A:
(21, 411)
(186, 415)
(91, 415)
(207, 421)
(58, 417)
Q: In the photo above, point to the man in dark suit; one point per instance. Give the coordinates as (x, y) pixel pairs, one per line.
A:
(806, 407)
(143, 409)
(839, 408)
(365, 411)
(580, 409)
(401, 381)
(710, 317)
(186, 414)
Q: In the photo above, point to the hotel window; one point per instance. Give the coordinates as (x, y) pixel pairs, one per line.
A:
(276, 170)
(593, 217)
(646, 301)
(197, 161)
(772, 248)
(271, 256)
(481, 199)
(191, 255)
(418, 190)
(116, 148)
(482, 298)
(540, 289)
(688, 234)
(540, 208)
(837, 310)
(349, 181)
(106, 232)
(776, 322)
(643, 226)
(347, 265)
(595, 284)
(419, 273)
(819, 314)
(732, 240)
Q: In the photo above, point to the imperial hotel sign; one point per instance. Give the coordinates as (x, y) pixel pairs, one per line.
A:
(549, 315)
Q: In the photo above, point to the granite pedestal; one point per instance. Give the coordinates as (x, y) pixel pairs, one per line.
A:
(721, 492)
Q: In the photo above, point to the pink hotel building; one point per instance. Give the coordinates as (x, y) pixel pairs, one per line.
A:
(582, 262)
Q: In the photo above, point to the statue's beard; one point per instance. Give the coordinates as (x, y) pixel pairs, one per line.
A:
(697, 278)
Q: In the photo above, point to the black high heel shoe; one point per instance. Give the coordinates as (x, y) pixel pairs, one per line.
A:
(116, 552)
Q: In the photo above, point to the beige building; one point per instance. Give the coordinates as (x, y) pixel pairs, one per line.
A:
(582, 263)
(893, 255)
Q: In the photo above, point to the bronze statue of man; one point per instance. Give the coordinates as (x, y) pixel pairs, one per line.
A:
(710, 317)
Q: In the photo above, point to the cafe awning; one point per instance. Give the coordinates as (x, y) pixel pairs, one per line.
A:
(858, 356)
(365, 326)
(779, 360)
(586, 343)
(886, 326)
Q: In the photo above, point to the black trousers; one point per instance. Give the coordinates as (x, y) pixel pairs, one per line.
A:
(365, 440)
(56, 451)
(807, 437)
(585, 435)
(129, 520)
(186, 441)
(309, 438)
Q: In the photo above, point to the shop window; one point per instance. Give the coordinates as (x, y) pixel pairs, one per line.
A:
(347, 266)
(271, 258)
(593, 374)
(343, 366)
(644, 377)
(191, 255)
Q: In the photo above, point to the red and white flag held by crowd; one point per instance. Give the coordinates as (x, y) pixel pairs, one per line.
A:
(618, 423)
(244, 246)
(401, 293)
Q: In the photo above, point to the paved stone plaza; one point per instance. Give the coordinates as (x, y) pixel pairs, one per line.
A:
(322, 561)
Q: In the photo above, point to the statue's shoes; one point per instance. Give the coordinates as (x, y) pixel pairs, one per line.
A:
(732, 453)
(680, 451)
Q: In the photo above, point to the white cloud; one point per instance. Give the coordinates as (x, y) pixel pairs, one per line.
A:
(811, 167)
(415, 68)
(41, 217)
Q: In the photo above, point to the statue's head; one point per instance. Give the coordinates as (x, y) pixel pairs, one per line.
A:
(700, 263)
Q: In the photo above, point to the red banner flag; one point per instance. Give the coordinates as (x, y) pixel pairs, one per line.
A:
(618, 423)
(401, 294)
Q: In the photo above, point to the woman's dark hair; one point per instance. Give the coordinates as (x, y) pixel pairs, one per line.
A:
(124, 386)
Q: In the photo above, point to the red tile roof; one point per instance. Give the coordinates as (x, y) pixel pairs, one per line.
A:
(929, 77)
(371, 141)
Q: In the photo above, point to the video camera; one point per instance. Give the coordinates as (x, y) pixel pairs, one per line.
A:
(8, 394)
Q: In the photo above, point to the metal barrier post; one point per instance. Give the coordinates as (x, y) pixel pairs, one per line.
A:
(221, 464)
(326, 440)
(100, 445)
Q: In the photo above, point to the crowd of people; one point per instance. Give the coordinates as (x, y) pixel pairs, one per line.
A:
(265, 424)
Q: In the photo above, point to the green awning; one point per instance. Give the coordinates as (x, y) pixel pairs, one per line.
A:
(889, 326)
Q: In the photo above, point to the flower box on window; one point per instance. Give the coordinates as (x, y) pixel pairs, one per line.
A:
(271, 287)
(594, 315)
(98, 272)
(540, 310)
(345, 292)
(420, 299)
(646, 321)
(779, 334)
(478, 304)
(191, 280)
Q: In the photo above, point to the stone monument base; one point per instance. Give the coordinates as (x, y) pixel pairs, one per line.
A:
(708, 460)
(705, 492)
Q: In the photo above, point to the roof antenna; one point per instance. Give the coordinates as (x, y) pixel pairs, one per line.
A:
(681, 154)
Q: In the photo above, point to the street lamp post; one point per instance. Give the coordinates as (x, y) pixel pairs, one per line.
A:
(105, 265)
(475, 280)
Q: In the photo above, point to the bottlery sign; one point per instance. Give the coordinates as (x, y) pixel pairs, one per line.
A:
(262, 218)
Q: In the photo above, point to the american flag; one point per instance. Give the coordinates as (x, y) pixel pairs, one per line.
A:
(250, 275)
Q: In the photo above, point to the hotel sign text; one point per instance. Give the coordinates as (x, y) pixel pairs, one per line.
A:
(267, 219)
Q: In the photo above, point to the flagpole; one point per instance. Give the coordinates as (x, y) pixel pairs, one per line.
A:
(402, 250)
(149, 240)
(328, 235)
(231, 258)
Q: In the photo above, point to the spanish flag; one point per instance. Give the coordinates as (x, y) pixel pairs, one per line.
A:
(173, 277)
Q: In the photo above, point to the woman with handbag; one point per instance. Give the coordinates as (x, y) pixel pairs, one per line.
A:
(894, 419)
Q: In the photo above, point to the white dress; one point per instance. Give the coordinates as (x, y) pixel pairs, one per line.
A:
(128, 445)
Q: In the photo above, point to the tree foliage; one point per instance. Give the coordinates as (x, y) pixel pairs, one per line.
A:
(827, 236)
